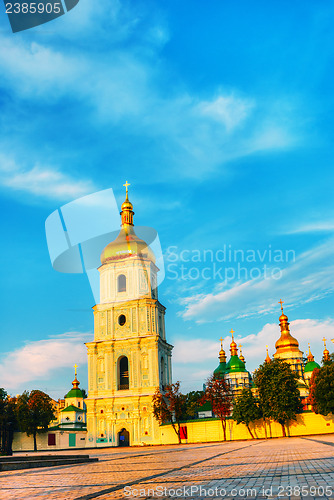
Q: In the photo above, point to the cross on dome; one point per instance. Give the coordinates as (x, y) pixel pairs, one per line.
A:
(126, 185)
(281, 302)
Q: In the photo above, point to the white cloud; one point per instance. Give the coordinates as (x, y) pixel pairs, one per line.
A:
(42, 181)
(231, 111)
(314, 227)
(307, 279)
(38, 360)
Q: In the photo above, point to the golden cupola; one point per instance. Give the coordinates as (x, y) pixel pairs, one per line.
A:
(222, 354)
(241, 355)
(286, 342)
(326, 351)
(127, 243)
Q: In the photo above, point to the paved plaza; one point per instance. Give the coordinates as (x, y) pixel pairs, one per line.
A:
(280, 468)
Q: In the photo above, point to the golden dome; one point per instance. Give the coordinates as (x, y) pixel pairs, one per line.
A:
(286, 342)
(222, 354)
(127, 243)
(241, 355)
(326, 351)
(233, 346)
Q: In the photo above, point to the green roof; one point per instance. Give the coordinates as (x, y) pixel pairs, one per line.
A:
(310, 365)
(72, 408)
(235, 365)
(221, 369)
(74, 393)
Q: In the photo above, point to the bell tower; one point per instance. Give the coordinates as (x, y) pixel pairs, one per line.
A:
(129, 357)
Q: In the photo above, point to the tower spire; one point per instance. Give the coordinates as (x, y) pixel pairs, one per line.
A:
(75, 382)
(267, 360)
(127, 212)
(310, 356)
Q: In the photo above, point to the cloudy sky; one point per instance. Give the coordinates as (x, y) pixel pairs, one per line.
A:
(220, 115)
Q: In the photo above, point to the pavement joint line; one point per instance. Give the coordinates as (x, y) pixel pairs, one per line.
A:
(148, 478)
(319, 441)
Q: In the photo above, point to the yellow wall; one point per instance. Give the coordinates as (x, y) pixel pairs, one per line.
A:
(211, 430)
(22, 442)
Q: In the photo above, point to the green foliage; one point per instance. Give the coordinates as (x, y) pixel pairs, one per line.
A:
(218, 393)
(7, 422)
(34, 413)
(322, 389)
(246, 409)
(192, 404)
(278, 392)
(170, 406)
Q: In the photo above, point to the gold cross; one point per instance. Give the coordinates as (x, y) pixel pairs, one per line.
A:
(324, 341)
(126, 185)
(231, 332)
(75, 369)
(240, 346)
(221, 341)
(281, 302)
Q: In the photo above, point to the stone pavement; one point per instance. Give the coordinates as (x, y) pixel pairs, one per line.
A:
(279, 468)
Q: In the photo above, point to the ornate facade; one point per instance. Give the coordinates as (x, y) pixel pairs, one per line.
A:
(129, 357)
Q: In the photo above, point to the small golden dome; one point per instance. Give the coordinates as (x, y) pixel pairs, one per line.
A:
(233, 346)
(222, 354)
(326, 351)
(310, 356)
(127, 243)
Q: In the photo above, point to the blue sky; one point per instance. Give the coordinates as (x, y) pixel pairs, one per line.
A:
(220, 116)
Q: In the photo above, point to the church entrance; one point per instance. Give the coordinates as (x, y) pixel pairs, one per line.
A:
(123, 438)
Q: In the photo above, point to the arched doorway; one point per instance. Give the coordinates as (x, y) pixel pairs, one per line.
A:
(123, 438)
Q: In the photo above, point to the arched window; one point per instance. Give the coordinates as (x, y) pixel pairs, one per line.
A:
(121, 283)
(123, 373)
(162, 372)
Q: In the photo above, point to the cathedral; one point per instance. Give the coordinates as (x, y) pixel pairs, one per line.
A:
(287, 349)
(129, 358)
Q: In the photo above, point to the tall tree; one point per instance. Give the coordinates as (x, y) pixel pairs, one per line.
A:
(192, 403)
(7, 422)
(278, 392)
(34, 411)
(170, 407)
(218, 393)
(246, 409)
(322, 389)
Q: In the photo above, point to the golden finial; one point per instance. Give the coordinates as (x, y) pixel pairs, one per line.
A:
(75, 370)
(281, 302)
(231, 332)
(221, 342)
(267, 360)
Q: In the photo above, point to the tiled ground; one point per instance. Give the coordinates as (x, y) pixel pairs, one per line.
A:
(280, 468)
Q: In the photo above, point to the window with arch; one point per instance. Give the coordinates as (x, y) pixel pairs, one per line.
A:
(123, 373)
(121, 283)
(162, 372)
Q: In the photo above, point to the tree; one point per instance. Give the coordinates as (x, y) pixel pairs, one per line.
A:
(170, 407)
(246, 409)
(34, 411)
(278, 392)
(322, 389)
(7, 422)
(192, 403)
(218, 393)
